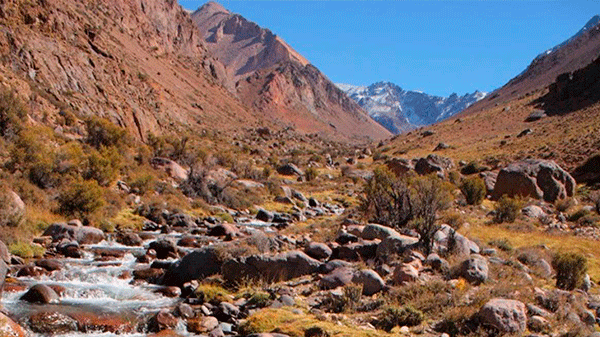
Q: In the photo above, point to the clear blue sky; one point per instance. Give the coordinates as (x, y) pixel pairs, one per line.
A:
(438, 47)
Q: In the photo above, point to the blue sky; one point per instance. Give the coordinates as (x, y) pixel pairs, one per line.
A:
(438, 47)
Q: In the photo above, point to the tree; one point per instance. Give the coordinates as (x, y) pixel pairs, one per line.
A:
(386, 199)
(428, 197)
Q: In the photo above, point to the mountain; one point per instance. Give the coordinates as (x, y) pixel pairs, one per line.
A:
(266, 74)
(574, 53)
(400, 110)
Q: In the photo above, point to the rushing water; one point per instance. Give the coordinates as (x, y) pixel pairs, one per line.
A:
(95, 288)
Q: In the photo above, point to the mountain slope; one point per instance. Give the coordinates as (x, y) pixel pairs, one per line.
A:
(140, 63)
(575, 53)
(399, 110)
(266, 74)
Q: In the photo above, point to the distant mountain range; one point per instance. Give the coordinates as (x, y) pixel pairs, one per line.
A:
(400, 110)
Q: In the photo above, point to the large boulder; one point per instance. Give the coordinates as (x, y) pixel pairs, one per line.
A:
(164, 248)
(4, 253)
(195, 265)
(317, 250)
(3, 272)
(12, 208)
(371, 282)
(282, 267)
(540, 179)
(508, 316)
(81, 234)
(394, 245)
(399, 166)
(9, 328)
(173, 169)
(337, 278)
(52, 323)
(289, 170)
(433, 164)
(474, 269)
(375, 231)
(40, 293)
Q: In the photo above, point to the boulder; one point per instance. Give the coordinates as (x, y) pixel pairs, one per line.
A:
(40, 293)
(282, 267)
(3, 272)
(332, 265)
(162, 320)
(202, 324)
(81, 234)
(264, 215)
(164, 248)
(540, 179)
(337, 278)
(375, 231)
(508, 316)
(399, 166)
(433, 164)
(224, 229)
(474, 269)
(196, 265)
(51, 323)
(289, 170)
(4, 253)
(355, 251)
(12, 208)
(319, 251)
(173, 169)
(9, 328)
(371, 281)
(533, 211)
(405, 273)
(394, 245)
(49, 264)
(129, 239)
(489, 179)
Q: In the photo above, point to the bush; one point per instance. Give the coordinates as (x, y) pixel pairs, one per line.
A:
(563, 205)
(570, 270)
(213, 294)
(507, 209)
(12, 114)
(142, 183)
(403, 316)
(80, 198)
(502, 244)
(101, 132)
(386, 199)
(26, 250)
(311, 174)
(472, 168)
(102, 166)
(347, 301)
(429, 195)
(474, 190)
(581, 213)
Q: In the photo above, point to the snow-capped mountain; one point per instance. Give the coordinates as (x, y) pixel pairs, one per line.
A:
(593, 22)
(400, 110)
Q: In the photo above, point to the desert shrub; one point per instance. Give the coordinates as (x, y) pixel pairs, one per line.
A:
(258, 299)
(472, 168)
(12, 114)
(141, 183)
(386, 199)
(26, 250)
(399, 316)
(454, 219)
(102, 166)
(345, 302)
(577, 215)
(101, 132)
(570, 270)
(429, 196)
(311, 174)
(507, 209)
(34, 158)
(474, 190)
(80, 198)
(502, 244)
(563, 205)
(454, 177)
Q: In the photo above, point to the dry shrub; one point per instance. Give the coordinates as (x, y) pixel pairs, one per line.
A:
(570, 270)
(474, 190)
(398, 316)
(386, 199)
(80, 198)
(507, 209)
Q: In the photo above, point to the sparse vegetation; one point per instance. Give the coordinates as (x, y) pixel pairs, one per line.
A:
(507, 209)
(570, 270)
(386, 199)
(399, 316)
(474, 190)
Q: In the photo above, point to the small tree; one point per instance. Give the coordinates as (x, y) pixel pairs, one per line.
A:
(428, 197)
(570, 270)
(80, 198)
(474, 190)
(386, 199)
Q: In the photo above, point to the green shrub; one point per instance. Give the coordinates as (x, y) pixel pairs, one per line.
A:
(258, 299)
(141, 183)
(102, 166)
(210, 293)
(80, 198)
(563, 205)
(507, 209)
(101, 132)
(386, 199)
(579, 214)
(347, 301)
(502, 244)
(472, 168)
(395, 316)
(474, 190)
(570, 270)
(26, 250)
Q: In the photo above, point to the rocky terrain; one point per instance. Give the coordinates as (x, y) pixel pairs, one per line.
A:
(400, 110)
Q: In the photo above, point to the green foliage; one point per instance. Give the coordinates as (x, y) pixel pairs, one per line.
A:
(141, 183)
(12, 114)
(347, 301)
(258, 299)
(502, 244)
(101, 132)
(210, 293)
(472, 168)
(26, 250)
(507, 209)
(429, 195)
(581, 213)
(103, 166)
(570, 270)
(399, 316)
(474, 190)
(386, 199)
(80, 198)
